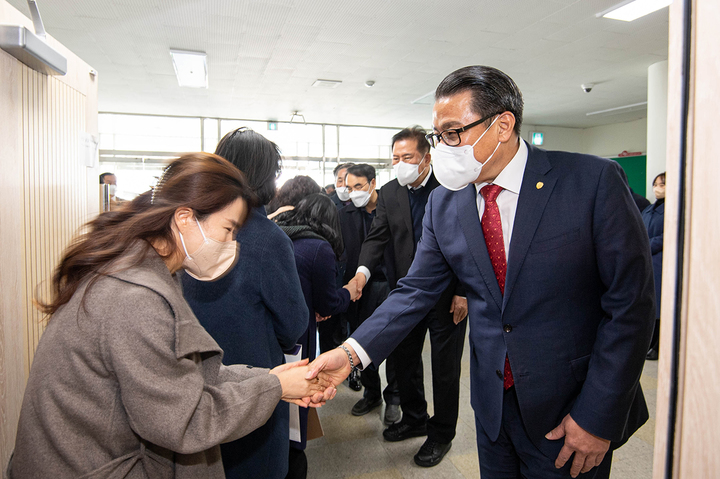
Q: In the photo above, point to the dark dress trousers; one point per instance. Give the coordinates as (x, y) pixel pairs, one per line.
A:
(398, 225)
(577, 314)
(255, 312)
(355, 224)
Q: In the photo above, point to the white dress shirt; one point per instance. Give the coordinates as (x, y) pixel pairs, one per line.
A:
(510, 179)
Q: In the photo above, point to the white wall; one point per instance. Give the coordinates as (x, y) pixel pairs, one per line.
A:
(606, 140)
(611, 140)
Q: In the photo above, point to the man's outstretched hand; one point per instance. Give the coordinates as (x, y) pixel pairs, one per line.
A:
(334, 366)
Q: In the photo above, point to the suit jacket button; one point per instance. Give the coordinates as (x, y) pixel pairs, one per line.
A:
(499, 373)
(507, 328)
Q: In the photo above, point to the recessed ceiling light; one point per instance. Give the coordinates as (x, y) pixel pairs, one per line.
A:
(629, 11)
(190, 68)
(326, 83)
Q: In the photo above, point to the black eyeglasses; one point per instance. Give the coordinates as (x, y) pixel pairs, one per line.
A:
(451, 137)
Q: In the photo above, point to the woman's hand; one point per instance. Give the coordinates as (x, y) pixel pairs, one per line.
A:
(303, 392)
(354, 290)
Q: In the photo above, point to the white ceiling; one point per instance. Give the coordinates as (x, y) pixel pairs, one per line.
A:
(264, 55)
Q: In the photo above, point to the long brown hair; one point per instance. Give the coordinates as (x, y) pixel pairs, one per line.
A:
(204, 182)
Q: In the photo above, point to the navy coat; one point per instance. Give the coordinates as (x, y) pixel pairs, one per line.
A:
(653, 216)
(578, 309)
(255, 312)
(316, 268)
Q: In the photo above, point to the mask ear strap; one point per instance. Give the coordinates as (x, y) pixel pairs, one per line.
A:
(486, 130)
(201, 230)
(182, 240)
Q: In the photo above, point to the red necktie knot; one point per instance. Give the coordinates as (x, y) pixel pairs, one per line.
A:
(490, 192)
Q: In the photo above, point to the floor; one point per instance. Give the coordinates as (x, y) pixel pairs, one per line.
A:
(353, 447)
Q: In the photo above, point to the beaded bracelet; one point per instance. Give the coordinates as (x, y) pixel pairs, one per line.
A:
(349, 355)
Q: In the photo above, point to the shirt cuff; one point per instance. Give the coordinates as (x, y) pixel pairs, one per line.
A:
(365, 271)
(361, 354)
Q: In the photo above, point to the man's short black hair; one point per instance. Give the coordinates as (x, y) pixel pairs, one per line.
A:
(364, 170)
(493, 92)
(102, 177)
(416, 133)
(341, 166)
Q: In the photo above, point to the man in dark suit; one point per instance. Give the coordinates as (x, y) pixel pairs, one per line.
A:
(555, 263)
(355, 221)
(398, 224)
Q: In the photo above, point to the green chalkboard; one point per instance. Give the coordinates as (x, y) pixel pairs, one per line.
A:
(636, 170)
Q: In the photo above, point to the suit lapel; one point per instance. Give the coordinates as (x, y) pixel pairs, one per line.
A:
(470, 224)
(530, 208)
(403, 198)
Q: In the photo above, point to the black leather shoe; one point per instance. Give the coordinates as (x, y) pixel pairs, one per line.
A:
(392, 414)
(431, 453)
(364, 406)
(402, 431)
(354, 380)
(652, 355)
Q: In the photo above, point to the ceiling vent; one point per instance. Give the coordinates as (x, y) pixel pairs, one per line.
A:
(326, 83)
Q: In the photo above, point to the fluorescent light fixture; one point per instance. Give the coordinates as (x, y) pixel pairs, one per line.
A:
(620, 109)
(629, 11)
(190, 68)
(427, 99)
(320, 83)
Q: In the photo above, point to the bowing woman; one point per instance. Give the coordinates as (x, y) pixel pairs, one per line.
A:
(125, 381)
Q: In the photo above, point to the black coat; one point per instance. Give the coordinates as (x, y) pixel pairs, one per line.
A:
(393, 229)
(653, 217)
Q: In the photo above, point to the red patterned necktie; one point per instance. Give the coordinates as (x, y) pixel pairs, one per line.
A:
(492, 230)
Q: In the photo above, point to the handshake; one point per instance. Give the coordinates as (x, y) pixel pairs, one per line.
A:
(311, 385)
(355, 286)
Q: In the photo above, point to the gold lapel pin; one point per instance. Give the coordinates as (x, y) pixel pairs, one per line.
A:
(539, 185)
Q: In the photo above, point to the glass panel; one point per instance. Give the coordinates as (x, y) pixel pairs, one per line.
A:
(148, 133)
(358, 142)
(210, 134)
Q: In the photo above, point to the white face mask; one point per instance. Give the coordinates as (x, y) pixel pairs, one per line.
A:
(211, 260)
(342, 193)
(360, 198)
(407, 173)
(112, 189)
(456, 167)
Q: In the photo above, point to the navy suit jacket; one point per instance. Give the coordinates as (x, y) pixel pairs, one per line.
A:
(578, 309)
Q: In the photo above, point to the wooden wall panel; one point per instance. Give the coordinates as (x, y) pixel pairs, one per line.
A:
(697, 424)
(55, 195)
(46, 193)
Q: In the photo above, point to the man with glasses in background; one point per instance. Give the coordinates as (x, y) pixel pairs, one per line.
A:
(355, 221)
(555, 262)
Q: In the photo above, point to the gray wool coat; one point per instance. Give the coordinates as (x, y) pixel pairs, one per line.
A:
(134, 387)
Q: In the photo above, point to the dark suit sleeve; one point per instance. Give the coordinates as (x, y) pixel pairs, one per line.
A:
(628, 302)
(327, 299)
(408, 304)
(377, 238)
(656, 244)
(281, 291)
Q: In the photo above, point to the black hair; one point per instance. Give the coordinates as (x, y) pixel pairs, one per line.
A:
(493, 92)
(416, 133)
(293, 191)
(320, 214)
(661, 175)
(102, 177)
(256, 156)
(364, 170)
(341, 166)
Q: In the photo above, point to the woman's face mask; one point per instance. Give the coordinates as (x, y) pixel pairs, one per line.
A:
(212, 259)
